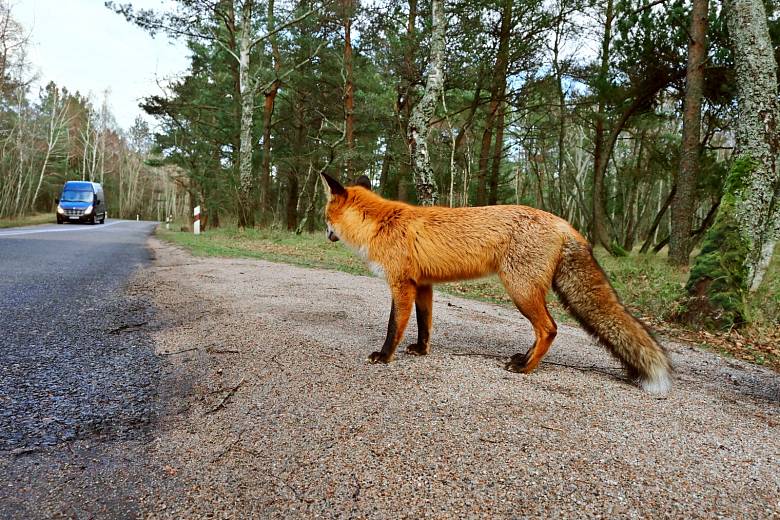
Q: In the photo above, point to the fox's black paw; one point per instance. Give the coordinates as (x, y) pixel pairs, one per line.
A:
(378, 357)
(518, 363)
(416, 349)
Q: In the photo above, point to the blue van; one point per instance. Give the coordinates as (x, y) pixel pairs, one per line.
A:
(81, 201)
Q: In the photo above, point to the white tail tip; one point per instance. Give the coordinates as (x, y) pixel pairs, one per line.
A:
(658, 383)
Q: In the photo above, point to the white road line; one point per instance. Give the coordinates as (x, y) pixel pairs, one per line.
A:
(61, 229)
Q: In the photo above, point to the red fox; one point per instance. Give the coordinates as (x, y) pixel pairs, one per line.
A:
(531, 250)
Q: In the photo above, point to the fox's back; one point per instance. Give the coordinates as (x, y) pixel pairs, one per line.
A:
(443, 244)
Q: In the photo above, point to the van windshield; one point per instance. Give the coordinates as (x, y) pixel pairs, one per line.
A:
(76, 196)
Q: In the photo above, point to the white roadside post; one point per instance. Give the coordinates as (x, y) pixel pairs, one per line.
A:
(196, 224)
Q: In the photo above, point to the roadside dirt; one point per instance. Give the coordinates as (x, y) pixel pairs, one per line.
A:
(274, 411)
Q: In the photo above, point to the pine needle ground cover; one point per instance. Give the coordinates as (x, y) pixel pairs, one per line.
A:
(648, 286)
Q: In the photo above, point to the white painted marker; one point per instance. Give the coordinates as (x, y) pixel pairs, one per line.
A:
(196, 224)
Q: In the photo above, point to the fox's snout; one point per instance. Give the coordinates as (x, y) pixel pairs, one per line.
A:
(332, 236)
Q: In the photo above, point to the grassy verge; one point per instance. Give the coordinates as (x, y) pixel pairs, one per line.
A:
(28, 220)
(648, 286)
(306, 250)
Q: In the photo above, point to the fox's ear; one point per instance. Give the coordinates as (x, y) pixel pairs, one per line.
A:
(363, 181)
(332, 186)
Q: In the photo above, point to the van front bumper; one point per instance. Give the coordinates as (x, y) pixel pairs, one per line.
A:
(75, 217)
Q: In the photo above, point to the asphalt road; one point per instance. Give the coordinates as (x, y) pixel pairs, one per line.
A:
(73, 374)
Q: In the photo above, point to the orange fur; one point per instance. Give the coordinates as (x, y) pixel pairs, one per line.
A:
(530, 250)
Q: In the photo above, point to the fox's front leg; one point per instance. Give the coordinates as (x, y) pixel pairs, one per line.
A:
(403, 298)
(423, 307)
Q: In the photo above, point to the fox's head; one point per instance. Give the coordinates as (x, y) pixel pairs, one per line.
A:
(338, 201)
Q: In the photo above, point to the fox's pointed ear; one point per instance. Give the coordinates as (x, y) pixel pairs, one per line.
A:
(332, 186)
(363, 181)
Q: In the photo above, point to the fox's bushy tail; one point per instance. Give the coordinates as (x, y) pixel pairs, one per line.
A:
(585, 290)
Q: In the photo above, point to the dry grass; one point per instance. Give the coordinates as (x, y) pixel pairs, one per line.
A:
(28, 220)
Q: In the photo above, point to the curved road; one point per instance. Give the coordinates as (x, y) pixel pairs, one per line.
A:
(72, 369)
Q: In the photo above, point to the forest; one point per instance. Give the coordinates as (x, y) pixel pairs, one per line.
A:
(50, 134)
(650, 125)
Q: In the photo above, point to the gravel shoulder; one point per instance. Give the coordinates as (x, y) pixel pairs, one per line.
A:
(272, 411)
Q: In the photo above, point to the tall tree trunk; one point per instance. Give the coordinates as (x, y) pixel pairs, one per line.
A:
(397, 186)
(235, 137)
(497, 94)
(559, 28)
(349, 90)
(419, 121)
(268, 112)
(246, 213)
(498, 154)
(599, 233)
(739, 246)
(295, 171)
(683, 201)
(484, 157)
(269, 103)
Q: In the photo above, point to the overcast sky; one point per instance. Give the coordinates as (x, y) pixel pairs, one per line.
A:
(82, 45)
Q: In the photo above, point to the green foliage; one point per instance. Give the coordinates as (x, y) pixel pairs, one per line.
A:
(645, 283)
(618, 250)
(736, 182)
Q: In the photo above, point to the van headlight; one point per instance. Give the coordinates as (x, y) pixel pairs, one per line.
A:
(88, 210)
(60, 210)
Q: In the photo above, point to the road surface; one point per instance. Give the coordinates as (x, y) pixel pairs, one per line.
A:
(73, 390)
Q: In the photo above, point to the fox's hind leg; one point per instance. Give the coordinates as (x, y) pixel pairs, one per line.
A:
(403, 298)
(533, 306)
(423, 306)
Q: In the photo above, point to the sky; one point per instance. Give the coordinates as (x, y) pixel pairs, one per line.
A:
(82, 45)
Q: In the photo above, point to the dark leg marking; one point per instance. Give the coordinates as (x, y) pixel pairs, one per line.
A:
(423, 307)
(381, 356)
(518, 361)
(403, 298)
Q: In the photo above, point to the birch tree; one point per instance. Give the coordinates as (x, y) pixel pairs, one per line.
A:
(419, 121)
(349, 86)
(179, 24)
(56, 127)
